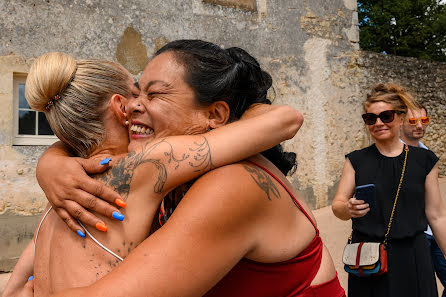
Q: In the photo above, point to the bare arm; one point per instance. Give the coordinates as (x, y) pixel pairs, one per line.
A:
(22, 271)
(208, 233)
(230, 143)
(435, 209)
(269, 126)
(344, 206)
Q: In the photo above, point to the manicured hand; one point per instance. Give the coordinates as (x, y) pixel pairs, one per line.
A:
(357, 208)
(70, 190)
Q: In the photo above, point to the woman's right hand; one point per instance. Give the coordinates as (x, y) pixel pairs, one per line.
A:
(357, 208)
(70, 190)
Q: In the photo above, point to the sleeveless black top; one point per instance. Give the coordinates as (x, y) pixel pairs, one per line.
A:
(371, 167)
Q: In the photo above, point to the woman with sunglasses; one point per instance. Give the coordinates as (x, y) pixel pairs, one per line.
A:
(410, 272)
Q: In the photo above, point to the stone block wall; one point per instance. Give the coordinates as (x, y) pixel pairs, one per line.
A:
(21, 199)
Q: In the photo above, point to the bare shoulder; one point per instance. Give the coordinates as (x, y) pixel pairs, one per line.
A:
(243, 179)
(226, 202)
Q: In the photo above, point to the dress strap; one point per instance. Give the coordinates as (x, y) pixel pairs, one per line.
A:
(85, 229)
(40, 224)
(289, 192)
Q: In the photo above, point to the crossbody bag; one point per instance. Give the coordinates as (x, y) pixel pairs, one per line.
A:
(370, 258)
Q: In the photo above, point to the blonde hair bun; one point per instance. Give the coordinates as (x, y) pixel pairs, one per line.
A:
(49, 76)
(393, 94)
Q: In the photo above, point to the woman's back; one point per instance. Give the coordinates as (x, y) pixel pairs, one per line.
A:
(289, 255)
(64, 260)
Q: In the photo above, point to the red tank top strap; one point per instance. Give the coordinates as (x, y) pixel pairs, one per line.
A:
(289, 192)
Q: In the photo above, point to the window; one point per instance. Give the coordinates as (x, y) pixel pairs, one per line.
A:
(30, 127)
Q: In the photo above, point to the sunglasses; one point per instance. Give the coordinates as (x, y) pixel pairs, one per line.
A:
(423, 120)
(386, 117)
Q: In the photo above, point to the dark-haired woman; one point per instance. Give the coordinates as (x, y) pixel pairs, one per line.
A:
(410, 270)
(241, 230)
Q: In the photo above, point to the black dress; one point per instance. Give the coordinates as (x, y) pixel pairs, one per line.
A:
(410, 269)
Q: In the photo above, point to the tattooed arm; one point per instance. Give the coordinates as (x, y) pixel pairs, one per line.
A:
(175, 160)
(172, 161)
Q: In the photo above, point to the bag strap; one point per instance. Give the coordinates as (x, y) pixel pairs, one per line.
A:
(406, 148)
(386, 237)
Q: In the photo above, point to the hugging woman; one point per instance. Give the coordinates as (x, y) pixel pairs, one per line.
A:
(240, 230)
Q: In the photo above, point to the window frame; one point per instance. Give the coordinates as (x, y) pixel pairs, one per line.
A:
(26, 139)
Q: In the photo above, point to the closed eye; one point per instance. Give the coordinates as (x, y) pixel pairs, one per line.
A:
(152, 94)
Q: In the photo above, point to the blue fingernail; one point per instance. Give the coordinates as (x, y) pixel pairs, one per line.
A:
(31, 277)
(119, 216)
(105, 161)
(80, 233)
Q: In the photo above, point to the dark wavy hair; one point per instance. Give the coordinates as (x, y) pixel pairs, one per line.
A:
(231, 75)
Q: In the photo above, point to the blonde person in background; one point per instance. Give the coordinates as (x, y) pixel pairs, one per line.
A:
(410, 271)
(87, 104)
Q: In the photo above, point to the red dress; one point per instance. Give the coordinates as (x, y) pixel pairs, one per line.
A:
(288, 278)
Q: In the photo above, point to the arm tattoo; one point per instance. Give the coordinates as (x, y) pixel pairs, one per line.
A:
(120, 175)
(202, 156)
(263, 180)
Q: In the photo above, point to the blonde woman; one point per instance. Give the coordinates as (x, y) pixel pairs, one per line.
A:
(410, 270)
(85, 104)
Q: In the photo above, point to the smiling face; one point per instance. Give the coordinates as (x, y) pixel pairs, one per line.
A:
(384, 131)
(166, 105)
(414, 132)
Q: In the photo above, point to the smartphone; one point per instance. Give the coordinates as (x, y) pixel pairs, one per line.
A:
(368, 194)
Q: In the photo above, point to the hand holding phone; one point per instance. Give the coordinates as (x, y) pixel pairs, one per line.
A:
(367, 193)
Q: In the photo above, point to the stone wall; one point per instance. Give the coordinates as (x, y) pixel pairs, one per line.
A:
(21, 199)
(425, 80)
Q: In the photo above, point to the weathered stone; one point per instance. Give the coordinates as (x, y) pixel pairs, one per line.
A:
(131, 52)
(159, 43)
(16, 231)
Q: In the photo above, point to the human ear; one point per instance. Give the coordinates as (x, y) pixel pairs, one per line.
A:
(218, 114)
(402, 118)
(118, 105)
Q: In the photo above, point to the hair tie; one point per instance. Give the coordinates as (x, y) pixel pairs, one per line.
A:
(57, 97)
(52, 101)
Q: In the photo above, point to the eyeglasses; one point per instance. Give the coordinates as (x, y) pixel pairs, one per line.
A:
(423, 120)
(386, 117)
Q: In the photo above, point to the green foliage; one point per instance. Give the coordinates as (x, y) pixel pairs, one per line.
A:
(413, 28)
